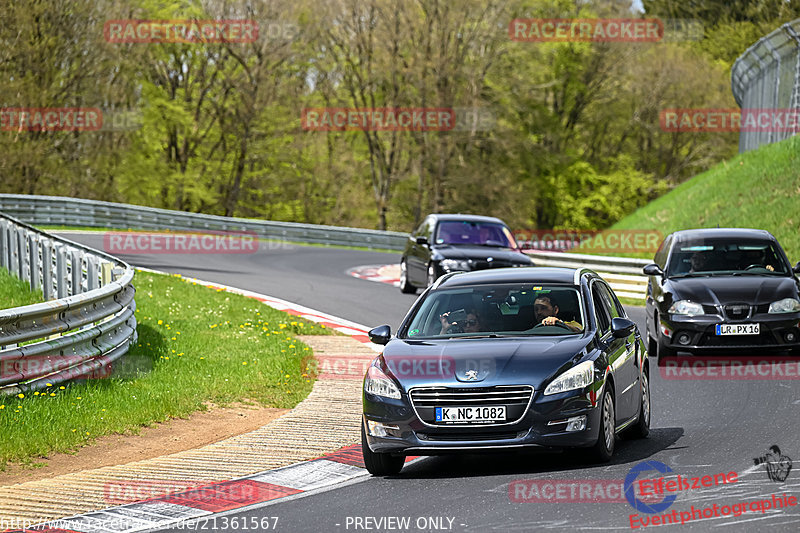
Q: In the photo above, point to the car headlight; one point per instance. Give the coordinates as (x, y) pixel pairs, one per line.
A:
(380, 384)
(787, 305)
(575, 378)
(685, 307)
(455, 264)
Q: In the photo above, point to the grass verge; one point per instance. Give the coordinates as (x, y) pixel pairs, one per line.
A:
(756, 189)
(14, 292)
(196, 345)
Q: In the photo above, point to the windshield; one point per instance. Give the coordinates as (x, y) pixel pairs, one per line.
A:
(474, 233)
(726, 257)
(498, 310)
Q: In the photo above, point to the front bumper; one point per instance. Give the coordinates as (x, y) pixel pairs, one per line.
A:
(535, 429)
(698, 333)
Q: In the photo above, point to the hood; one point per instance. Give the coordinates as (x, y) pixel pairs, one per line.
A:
(732, 289)
(481, 253)
(481, 361)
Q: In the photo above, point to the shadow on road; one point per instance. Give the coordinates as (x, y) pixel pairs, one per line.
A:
(539, 462)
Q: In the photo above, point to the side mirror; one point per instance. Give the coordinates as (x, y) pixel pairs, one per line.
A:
(796, 268)
(422, 240)
(621, 327)
(380, 335)
(652, 270)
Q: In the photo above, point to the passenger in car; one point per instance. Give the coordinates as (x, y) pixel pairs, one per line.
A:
(699, 262)
(472, 323)
(546, 310)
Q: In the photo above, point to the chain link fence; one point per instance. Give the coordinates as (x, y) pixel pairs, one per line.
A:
(767, 77)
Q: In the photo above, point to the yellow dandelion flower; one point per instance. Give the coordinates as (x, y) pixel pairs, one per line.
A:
(20, 395)
(160, 322)
(62, 388)
(244, 362)
(52, 394)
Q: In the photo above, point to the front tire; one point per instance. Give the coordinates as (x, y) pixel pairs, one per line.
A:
(380, 464)
(405, 286)
(664, 351)
(642, 427)
(606, 440)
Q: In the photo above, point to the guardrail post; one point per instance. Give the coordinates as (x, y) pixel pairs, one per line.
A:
(24, 268)
(106, 273)
(4, 247)
(47, 269)
(13, 254)
(33, 262)
(91, 273)
(76, 271)
(61, 271)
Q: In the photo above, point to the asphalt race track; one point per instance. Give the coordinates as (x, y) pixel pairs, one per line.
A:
(700, 427)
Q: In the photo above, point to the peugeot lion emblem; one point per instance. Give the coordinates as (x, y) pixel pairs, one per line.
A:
(471, 375)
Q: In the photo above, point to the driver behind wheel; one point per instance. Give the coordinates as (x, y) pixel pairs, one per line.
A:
(546, 311)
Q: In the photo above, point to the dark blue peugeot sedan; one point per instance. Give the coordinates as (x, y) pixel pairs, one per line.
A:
(504, 359)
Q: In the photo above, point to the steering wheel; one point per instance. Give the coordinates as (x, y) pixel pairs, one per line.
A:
(755, 266)
(559, 324)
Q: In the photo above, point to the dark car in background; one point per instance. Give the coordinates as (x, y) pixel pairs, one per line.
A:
(549, 359)
(722, 290)
(457, 243)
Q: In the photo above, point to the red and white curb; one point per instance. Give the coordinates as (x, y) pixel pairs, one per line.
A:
(381, 273)
(340, 467)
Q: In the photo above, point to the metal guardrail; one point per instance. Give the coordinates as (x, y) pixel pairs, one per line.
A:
(624, 274)
(61, 211)
(87, 322)
(767, 76)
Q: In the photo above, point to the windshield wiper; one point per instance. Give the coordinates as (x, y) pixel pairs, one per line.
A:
(747, 273)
